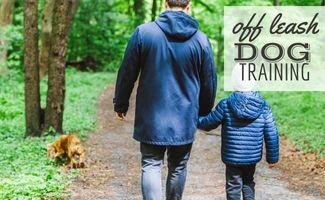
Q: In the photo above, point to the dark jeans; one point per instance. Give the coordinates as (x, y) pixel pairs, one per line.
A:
(152, 163)
(240, 179)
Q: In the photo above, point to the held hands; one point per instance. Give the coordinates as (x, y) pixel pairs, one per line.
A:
(120, 116)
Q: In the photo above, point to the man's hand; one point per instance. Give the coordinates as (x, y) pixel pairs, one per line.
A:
(120, 116)
(271, 165)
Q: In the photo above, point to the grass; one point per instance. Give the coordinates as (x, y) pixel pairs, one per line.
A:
(25, 171)
(300, 116)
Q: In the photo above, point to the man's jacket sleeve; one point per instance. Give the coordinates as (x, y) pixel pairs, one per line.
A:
(208, 80)
(127, 74)
(271, 138)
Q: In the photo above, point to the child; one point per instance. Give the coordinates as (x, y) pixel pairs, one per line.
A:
(246, 119)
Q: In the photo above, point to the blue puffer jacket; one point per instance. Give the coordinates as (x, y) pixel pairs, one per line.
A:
(177, 79)
(246, 119)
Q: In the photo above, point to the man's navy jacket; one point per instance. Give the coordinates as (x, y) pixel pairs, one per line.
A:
(177, 79)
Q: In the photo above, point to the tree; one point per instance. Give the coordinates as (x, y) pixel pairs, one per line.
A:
(276, 2)
(32, 94)
(46, 37)
(6, 16)
(220, 48)
(61, 23)
(72, 12)
(139, 11)
(153, 10)
(47, 16)
(205, 5)
(323, 3)
(160, 5)
(6, 12)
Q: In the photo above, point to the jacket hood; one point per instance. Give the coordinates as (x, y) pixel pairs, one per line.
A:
(177, 24)
(246, 105)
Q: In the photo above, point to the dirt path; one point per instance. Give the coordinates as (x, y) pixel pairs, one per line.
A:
(113, 169)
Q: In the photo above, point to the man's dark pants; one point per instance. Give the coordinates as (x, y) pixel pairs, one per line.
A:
(240, 179)
(152, 163)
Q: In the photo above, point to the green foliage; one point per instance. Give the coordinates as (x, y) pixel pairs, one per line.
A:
(13, 36)
(101, 31)
(24, 169)
(83, 95)
(300, 3)
(16, 39)
(299, 116)
(15, 59)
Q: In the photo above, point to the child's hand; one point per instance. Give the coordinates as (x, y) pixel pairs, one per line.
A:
(271, 165)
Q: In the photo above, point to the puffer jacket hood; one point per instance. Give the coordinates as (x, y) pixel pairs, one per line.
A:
(177, 25)
(246, 105)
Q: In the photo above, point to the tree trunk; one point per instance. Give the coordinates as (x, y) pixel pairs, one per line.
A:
(47, 30)
(56, 72)
(129, 10)
(161, 6)
(32, 94)
(6, 16)
(276, 2)
(72, 12)
(220, 54)
(153, 10)
(138, 7)
(46, 37)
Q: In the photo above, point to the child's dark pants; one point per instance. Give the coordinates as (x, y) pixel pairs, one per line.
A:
(240, 179)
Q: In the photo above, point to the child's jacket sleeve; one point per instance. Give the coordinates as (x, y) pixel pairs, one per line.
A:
(213, 119)
(271, 138)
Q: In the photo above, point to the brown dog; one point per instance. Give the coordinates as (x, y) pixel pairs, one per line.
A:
(68, 145)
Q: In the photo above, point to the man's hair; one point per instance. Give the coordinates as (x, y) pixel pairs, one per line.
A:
(178, 3)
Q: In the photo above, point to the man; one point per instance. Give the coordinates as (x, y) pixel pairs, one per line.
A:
(177, 83)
